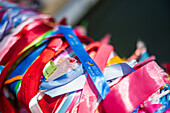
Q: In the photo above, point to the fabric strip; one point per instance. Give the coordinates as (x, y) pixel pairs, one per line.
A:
(89, 90)
(134, 89)
(91, 67)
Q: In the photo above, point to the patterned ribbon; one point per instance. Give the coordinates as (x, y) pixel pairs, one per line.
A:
(91, 67)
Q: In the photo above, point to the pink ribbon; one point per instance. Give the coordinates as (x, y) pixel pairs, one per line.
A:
(134, 89)
(89, 95)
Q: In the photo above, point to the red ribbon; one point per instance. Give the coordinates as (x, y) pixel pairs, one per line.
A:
(5, 105)
(13, 53)
(36, 29)
(31, 80)
(48, 104)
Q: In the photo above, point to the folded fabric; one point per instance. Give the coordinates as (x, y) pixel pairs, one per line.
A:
(134, 89)
(64, 79)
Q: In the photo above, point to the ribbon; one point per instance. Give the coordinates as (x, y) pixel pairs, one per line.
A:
(151, 58)
(13, 17)
(34, 72)
(62, 103)
(166, 98)
(33, 104)
(29, 36)
(38, 40)
(115, 59)
(8, 4)
(1, 68)
(5, 105)
(6, 44)
(49, 68)
(25, 64)
(91, 67)
(63, 68)
(75, 85)
(52, 103)
(19, 77)
(66, 103)
(117, 70)
(11, 39)
(74, 101)
(167, 111)
(165, 106)
(149, 108)
(56, 87)
(19, 44)
(17, 87)
(68, 52)
(64, 79)
(134, 89)
(69, 102)
(89, 91)
(144, 56)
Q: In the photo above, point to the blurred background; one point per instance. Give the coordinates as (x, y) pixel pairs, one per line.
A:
(126, 21)
(130, 20)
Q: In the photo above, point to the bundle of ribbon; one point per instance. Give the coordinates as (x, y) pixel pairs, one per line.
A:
(48, 67)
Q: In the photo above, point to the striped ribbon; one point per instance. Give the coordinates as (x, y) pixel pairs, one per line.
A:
(24, 65)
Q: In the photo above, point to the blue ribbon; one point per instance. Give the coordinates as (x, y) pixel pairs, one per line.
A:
(164, 107)
(110, 73)
(91, 67)
(24, 64)
(144, 56)
(166, 97)
(8, 4)
(136, 110)
(23, 16)
(64, 79)
(74, 80)
(67, 102)
(117, 70)
(1, 68)
(165, 100)
(12, 18)
(76, 84)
